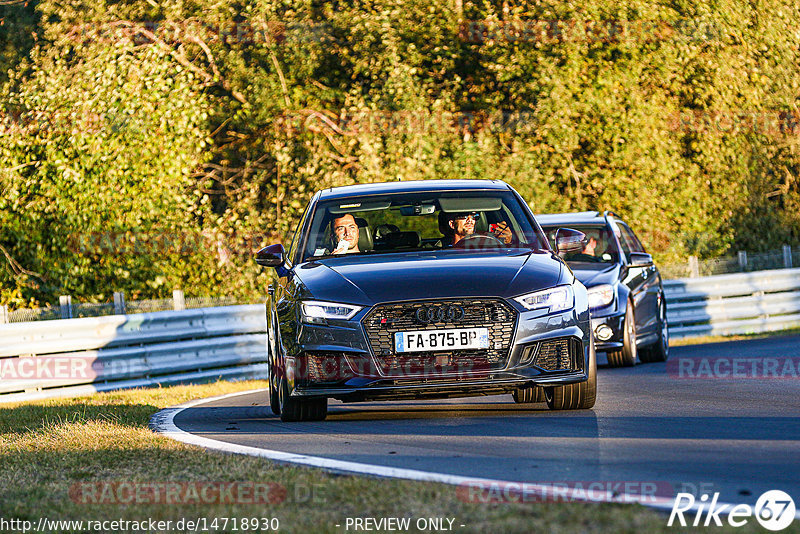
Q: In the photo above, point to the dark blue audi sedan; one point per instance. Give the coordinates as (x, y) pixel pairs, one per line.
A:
(427, 289)
(626, 296)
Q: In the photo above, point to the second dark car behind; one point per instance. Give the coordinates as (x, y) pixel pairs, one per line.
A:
(626, 296)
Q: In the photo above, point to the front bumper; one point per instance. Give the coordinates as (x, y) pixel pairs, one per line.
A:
(356, 373)
(445, 387)
(615, 323)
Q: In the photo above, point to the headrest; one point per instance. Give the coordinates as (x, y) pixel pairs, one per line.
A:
(364, 235)
(444, 224)
(383, 230)
(402, 240)
(481, 224)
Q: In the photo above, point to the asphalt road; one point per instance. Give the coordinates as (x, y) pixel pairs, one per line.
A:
(736, 435)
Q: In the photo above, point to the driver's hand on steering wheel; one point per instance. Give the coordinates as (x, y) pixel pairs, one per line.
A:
(503, 231)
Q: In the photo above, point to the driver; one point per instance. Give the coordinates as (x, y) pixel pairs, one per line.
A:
(587, 254)
(463, 224)
(345, 235)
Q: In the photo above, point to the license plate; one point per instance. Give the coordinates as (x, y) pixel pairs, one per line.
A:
(446, 339)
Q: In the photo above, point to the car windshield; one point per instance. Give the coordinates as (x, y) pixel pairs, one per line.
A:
(402, 222)
(599, 245)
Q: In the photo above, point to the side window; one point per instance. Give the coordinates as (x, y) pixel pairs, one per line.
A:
(631, 238)
(296, 238)
(623, 241)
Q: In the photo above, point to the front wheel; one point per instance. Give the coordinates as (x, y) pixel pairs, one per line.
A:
(300, 409)
(628, 355)
(274, 397)
(659, 351)
(580, 396)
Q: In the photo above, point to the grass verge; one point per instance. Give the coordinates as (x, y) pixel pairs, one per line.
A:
(51, 451)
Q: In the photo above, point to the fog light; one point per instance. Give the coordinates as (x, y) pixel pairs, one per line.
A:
(603, 332)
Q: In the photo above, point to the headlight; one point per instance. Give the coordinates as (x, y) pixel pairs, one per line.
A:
(600, 296)
(554, 300)
(317, 312)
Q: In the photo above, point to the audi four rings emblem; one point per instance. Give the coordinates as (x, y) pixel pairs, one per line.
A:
(439, 314)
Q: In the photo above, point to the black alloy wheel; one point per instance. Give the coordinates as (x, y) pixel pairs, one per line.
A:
(300, 410)
(628, 355)
(658, 351)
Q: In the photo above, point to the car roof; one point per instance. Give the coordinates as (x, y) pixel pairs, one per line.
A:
(578, 217)
(416, 186)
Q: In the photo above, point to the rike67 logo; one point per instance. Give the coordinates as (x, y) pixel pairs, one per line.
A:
(774, 510)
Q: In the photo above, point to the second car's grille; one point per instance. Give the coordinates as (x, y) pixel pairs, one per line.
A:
(386, 319)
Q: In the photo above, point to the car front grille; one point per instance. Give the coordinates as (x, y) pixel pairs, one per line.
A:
(385, 320)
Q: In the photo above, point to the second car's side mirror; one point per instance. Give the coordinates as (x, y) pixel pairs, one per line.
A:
(569, 240)
(271, 256)
(641, 259)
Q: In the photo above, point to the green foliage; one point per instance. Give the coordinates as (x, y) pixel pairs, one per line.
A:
(219, 121)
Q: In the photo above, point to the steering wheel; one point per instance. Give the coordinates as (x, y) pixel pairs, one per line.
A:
(473, 241)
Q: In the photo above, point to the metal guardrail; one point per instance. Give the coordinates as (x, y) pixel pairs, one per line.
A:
(727, 304)
(68, 357)
(66, 309)
(783, 258)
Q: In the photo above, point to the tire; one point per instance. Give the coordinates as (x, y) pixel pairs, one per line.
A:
(580, 396)
(274, 402)
(528, 395)
(274, 399)
(659, 351)
(626, 357)
(300, 410)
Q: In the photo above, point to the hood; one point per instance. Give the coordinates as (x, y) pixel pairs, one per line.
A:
(596, 275)
(367, 280)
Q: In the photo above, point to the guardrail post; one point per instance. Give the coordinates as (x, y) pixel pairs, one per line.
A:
(4, 314)
(787, 256)
(178, 300)
(65, 302)
(119, 303)
(694, 267)
(743, 260)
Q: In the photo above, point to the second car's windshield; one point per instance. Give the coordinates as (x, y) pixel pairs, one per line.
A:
(598, 247)
(449, 220)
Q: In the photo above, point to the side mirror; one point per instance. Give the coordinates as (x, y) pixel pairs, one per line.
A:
(641, 259)
(271, 256)
(569, 240)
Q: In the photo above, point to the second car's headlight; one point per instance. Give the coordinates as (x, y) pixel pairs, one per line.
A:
(555, 300)
(317, 312)
(600, 296)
